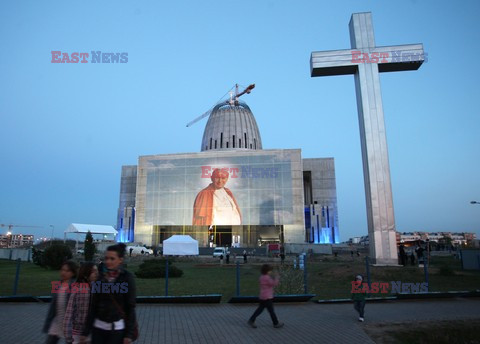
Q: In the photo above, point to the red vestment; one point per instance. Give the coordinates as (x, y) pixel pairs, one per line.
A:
(203, 206)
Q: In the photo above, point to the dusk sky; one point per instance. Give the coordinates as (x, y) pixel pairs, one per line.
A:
(67, 128)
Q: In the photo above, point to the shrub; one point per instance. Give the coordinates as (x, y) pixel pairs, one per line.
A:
(38, 257)
(155, 268)
(55, 255)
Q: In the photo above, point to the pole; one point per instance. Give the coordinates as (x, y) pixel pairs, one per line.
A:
(367, 266)
(305, 285)
(425, 270)
(17, 275)
(51, 238)
(166, 277)
(238, 278)
(428, 250)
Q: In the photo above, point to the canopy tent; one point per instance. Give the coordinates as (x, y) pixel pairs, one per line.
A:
(81, 228)
(180, 245)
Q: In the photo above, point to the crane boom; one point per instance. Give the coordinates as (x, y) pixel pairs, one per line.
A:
(231, 102)
(247, 90)
(207, 113)
(10, 226)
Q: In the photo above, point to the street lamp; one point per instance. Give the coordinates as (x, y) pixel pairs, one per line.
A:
(474, 202)
(51, 238)
(9, 239)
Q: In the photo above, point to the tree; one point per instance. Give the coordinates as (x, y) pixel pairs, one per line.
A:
(446, 241)
(89, 247)
(55, 255)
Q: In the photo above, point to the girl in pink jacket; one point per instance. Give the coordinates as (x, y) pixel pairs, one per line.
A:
(267, 283)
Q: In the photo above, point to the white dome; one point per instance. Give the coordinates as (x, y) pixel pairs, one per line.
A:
(231, 127)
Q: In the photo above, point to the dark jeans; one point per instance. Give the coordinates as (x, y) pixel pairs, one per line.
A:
(359, 307)
(52, 339)
(268, 304)
(100, 336)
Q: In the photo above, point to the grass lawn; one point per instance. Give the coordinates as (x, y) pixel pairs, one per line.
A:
(439, 332)
(328, 277)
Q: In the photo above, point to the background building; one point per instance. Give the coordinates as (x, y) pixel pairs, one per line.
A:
(16, 240)
(412, 238)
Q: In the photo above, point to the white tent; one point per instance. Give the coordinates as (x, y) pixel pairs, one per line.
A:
(94, 229)
(180, 245)
(81, 228)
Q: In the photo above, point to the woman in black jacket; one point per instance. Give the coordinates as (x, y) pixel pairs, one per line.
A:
(111, 318)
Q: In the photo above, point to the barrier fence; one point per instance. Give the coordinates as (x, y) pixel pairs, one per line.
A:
(327, 277)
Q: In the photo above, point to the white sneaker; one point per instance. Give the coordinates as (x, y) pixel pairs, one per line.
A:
(360, 319)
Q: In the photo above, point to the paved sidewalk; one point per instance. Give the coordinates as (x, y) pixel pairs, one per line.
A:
(225, 323)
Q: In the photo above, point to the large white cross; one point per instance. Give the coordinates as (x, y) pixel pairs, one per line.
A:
(365, 61)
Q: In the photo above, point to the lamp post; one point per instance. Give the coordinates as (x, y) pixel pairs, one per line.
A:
(51, 238)
(428, 250)
(9, 240)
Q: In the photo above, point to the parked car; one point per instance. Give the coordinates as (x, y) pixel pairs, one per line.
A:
(220, 252)
(80, 251)
(137, 250)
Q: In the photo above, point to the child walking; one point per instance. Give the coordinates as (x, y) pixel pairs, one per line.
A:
(358, 297)
(56, 313)
(267, 283)
(79, 304)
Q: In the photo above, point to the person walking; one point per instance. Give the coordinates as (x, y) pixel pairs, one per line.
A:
(403, 255)
(111, 318)
(358, 297)
(267, 283)
(79, 303)
(419, 251)
(60, 296)
(244, 256)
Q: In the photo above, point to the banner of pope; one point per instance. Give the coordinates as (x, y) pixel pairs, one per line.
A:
(216, 205)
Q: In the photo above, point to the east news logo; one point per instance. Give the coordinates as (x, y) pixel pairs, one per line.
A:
(243, 172)
(95, 57)
(84, 288)
(398, 287)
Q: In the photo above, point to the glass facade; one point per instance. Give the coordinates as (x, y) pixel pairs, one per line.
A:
(261, 187)
(235, 197)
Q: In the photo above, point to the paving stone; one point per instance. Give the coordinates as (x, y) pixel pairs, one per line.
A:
(226, 323)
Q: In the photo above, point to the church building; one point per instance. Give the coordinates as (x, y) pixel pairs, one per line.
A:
(231, 193)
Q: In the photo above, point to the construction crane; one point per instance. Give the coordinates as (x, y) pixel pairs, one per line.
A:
(10, 226)
(232, 101)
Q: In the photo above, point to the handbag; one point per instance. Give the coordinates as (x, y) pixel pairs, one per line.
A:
(122, 313)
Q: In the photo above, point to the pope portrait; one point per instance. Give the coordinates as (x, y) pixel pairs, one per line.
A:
(216, 205)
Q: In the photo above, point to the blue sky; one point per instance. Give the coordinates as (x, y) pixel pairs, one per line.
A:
(66, 129)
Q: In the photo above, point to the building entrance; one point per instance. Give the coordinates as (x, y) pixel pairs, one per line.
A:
(223, 236)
